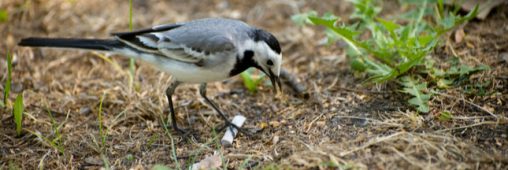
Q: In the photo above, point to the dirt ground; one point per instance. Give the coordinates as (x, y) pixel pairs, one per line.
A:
(341, 124)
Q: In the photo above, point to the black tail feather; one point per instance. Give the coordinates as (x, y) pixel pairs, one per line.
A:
(90, 44)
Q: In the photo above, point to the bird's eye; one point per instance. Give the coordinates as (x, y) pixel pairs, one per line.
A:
(269, 63)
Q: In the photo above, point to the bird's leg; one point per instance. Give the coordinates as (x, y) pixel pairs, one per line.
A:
(202, 92)
(169, 93)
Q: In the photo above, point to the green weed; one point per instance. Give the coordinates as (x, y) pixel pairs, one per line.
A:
(386, 50)
(419, 92)
(56, 139)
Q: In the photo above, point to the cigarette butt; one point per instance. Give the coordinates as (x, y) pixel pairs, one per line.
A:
(229, 136)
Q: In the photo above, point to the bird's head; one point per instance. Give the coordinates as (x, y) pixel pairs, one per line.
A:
(265, 51)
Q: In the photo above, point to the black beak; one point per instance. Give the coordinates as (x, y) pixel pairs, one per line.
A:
(275, 81)
(273, 78)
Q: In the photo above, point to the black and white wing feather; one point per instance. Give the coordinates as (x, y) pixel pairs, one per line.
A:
(184, 42)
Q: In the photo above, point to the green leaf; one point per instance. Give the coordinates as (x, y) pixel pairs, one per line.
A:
(444, 83)
(303, 18)
(346, 34)
(4, 15)
(425, 40)
(468, 17)
(18, 113)
(7, 89)
(445, 116)
(416, 89)
(358, 65)
(389, 25)
(327, 16)
(465, 70)
(365, 10)
(249, 81)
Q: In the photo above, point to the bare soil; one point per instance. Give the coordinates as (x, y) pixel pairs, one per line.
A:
(340, 122)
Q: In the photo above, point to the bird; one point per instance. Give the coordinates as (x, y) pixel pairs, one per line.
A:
(193, 52)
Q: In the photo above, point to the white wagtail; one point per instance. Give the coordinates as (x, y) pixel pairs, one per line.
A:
(198, 51)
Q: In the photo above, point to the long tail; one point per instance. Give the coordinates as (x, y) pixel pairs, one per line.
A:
(90, 44)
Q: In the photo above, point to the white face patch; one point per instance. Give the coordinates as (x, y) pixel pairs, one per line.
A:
(263, 53)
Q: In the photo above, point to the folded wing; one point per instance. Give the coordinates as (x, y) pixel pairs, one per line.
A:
(181, 42)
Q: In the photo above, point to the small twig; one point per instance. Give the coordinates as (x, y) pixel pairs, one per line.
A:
(366, 91)
(312, 122)
(473, 125)
(371, 120)
(41, 162)
(371, 142)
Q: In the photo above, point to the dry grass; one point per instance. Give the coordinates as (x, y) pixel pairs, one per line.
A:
(342, 124)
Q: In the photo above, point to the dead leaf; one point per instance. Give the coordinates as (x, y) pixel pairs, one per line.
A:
(469, 45)
(262, 125)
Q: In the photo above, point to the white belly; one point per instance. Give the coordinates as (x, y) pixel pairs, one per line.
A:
(189, 72)
(194, 74)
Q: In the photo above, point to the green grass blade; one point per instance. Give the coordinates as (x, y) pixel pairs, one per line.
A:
(174, 157)
(132, 62)
(4, 15)
(101, 128)
(130, 15)
(7, 89)
(18, 113)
